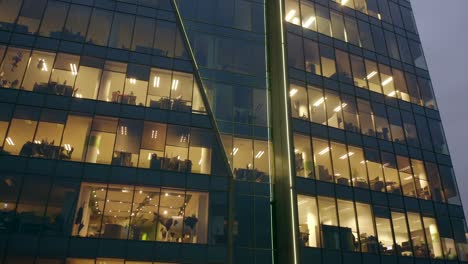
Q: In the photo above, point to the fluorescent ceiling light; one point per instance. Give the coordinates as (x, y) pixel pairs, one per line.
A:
(259, 154)
(290, 15)
(347, 155)
(156, 81)
(175, 84)
(73, 69)
(234, 151)
(323, 151)
(319, 101)
(387, 81)
(308, 22)
(338, 108)
(392, 94)
(343, 2)
(295, 20)
(154, 134)
(292, 92)
(10, 141)
(372, 74)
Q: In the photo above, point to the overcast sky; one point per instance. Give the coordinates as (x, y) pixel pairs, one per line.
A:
(443, 28)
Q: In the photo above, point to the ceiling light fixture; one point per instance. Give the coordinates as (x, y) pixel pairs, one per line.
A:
(372, 74)
(309, 22)
(290, 15)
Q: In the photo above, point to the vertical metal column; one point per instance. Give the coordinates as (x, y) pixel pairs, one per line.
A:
(284, 226)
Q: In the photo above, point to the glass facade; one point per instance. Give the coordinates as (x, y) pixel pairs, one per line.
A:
(146, 131)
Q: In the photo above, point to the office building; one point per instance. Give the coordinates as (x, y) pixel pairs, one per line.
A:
(221, 131)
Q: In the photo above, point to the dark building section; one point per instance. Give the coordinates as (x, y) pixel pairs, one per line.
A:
(221, 131)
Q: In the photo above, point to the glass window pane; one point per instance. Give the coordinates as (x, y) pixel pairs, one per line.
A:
(323, 20)
(403, 245)
(417, 235)
(334, 110)
(359, 71)
(8, 12)
(32, 203)
(352, 32)
(299, 104)
(379, 40)
(309, 234)
(450, 185)
(181, 91)
(329, 223)
(422, 186)
(312, 58)
(374, 168)
(427, 93)
(136, 85)
(388, 83)
(143, 35)
(77, 23)
(101, 140)
(365, 35)
(112, 82)
(392, 181)
(54, 19)
(61, 207)
(152, 145)
(361, 6)
(382, 127)
(343, 66)
(9, 191)
(322, 161)
(400, 85)
(170, 223)
(309, 20)
(127, 143)
(434, 182)
(64, 74)
(396, 126)
(164, 39)
(200, 152)
(317, 105)
(303, 156)
(372, 76)
(433, 237)
(367, 235)
(20, 136)
(38, 72)
(358, 168)
(295, 52)
(350, 114)
(406, 176)
(49, 133)
(366, 117)
(116, 216)
(88, 78)
(99, 27)
(121, 32)
(340, 156)
(348, 228)
(384, 232)
(328, 62)
(74, 137)
(338, 27)
(292, 12)
(30, 16)
(13, 67)
(243, 157)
